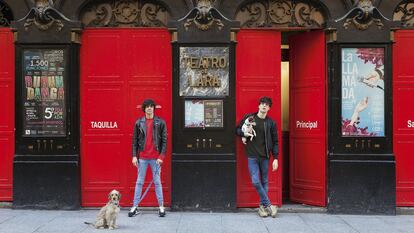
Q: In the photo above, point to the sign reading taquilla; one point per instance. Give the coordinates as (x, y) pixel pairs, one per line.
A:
(204, 71)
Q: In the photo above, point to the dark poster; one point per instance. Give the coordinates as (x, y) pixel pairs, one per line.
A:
(44, 92)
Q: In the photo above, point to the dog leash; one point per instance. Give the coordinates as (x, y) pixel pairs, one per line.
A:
(147, 189)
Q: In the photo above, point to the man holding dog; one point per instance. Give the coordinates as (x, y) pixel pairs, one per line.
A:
(258, 151)
(149, 144)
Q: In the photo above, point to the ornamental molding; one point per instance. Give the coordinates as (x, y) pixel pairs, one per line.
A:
(204, 17)
(124, 13)
(363, 15)
(281, 13)
(5, 15)
(405, 14)
(43, 15)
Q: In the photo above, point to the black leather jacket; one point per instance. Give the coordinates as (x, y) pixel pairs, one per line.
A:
(271, 140)
(159, 136)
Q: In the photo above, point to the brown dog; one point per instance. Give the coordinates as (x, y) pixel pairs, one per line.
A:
(107, 215)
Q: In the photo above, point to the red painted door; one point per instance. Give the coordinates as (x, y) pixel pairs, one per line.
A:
(403, 115)
(258, 68)
(307, 118)
(7, 114)
(119, 69)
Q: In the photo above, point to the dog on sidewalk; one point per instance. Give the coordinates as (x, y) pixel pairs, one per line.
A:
(107, 215)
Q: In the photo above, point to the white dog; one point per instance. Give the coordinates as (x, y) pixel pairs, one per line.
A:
(248, 130)
(107, 215)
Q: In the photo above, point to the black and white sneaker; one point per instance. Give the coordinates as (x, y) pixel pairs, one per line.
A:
(133, 211)
(161, 212)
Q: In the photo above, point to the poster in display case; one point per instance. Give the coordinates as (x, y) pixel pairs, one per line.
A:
(362, 92)
(203, 114)
(44, 111)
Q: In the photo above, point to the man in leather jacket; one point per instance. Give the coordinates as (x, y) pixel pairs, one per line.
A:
(149, 144)
(258, 150)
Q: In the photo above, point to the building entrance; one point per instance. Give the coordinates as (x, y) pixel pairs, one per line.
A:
(299, 98)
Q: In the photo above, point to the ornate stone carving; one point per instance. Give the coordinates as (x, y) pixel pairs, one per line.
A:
(204, 16)
(405, 14)
(362, 15)
(124, 13)
(280, 13)
(5, 15)
(44, 16)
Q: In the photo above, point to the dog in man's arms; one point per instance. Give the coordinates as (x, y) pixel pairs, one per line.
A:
(248, 130)
(107, 215)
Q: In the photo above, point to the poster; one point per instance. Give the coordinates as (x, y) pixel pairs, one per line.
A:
(44, 92)
(203, 113)
(363, 92)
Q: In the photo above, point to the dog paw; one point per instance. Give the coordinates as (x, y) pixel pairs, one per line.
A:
(111, 228)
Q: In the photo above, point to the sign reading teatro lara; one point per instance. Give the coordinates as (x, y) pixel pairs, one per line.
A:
(204, 71)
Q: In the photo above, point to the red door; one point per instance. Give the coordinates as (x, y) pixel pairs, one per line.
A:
(7, 114)
(119, 69)
(307, 118)
(258, 60)
(403, 116)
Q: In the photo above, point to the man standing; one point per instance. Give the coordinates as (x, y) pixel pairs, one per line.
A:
(149, 144)
(258, 151)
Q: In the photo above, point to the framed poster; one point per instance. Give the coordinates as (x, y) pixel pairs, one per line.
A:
(362, 92)
(44, 111)
(203, 114)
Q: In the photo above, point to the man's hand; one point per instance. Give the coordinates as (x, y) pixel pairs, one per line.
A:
(159, 161)
(275, 165)
(135, 161)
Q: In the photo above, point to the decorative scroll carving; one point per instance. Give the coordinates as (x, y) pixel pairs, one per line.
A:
(362, 15)
(281, 13)
(5, 15)
(204, 16)
(124, 13)
(405, 14)
(44, 16)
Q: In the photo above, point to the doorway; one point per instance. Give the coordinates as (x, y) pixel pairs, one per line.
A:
(290, 68)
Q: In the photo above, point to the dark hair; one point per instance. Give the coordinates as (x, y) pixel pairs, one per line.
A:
(147, 103)
(266, 100)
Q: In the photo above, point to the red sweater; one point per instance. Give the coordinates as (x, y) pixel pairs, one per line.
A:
(149, 151)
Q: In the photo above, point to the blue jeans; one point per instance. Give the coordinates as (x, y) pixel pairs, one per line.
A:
(142, 171)
(259, 174)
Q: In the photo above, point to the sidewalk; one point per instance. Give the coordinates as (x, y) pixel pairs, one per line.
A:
(54, 221)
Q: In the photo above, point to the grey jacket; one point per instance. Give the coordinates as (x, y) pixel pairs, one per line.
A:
(159, 136)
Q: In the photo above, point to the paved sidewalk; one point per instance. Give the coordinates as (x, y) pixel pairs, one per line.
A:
(53, 221)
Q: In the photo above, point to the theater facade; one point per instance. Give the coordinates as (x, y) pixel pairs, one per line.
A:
(73, 75)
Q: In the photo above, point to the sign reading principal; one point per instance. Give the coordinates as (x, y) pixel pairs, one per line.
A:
(204, 71)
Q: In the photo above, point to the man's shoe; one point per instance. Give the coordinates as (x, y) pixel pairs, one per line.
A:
(133, 211)
(262, 211)
(161, 212)
(272, 210)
